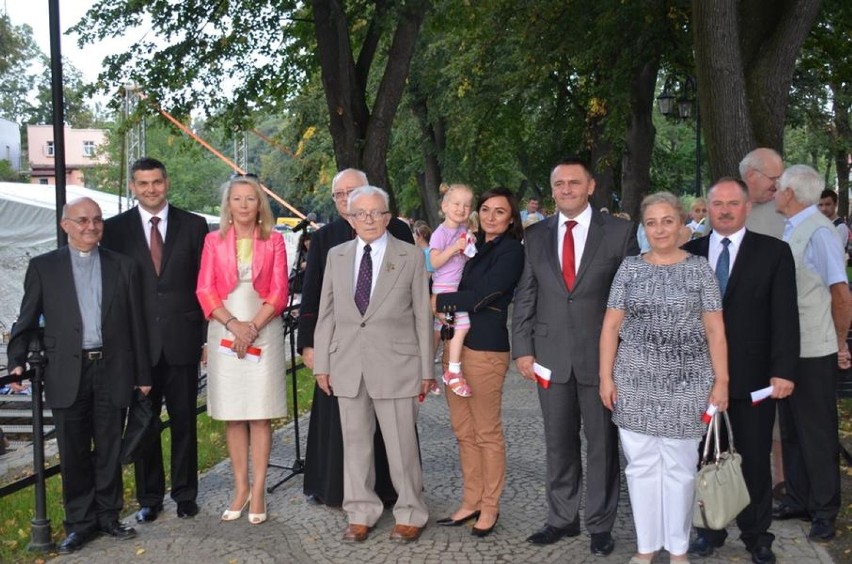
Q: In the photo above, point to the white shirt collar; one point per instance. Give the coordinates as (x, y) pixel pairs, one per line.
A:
(375, 246)
(736, 238)
(584, 218)
(146, 216)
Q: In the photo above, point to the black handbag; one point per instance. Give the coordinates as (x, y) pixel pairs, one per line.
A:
(141, 429)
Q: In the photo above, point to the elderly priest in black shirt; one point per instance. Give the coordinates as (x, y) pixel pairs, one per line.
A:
(96, 354)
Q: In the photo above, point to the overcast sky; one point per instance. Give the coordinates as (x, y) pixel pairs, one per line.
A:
(35, 14)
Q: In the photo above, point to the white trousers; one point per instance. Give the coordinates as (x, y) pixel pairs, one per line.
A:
(661, 482)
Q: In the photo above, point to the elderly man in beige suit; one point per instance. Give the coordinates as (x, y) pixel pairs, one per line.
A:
(372, 349)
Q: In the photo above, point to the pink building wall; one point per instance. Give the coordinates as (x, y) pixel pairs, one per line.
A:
(80, 148)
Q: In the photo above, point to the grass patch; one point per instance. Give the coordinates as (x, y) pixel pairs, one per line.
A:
(17, 510)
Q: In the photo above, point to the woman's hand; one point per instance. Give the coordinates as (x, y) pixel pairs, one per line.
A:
(719, 395)
(243, 331)
(240, 347)
(608, 392)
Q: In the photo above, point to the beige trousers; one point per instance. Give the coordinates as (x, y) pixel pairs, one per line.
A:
(478, 428)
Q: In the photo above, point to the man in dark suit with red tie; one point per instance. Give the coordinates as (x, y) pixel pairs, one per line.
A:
(571, 259)
(166, 243)
(758, 283)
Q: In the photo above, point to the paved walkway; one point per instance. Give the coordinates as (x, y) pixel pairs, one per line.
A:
(301, 533)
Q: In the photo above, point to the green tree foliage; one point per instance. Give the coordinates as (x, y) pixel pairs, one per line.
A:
(195, 175)
(20, 59)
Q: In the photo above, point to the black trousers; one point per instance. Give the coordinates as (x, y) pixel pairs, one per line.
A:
(91, 477)
(752, 426)
(809, 439)
(178, 387)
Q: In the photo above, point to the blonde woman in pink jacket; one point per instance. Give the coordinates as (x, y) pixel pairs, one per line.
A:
(242, 289)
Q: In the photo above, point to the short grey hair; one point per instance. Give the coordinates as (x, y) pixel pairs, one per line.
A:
(756, 160)
(661, 198)
(367, 190)
(359, 173)
(806, 184)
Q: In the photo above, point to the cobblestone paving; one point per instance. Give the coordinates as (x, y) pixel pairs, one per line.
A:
(301, 533)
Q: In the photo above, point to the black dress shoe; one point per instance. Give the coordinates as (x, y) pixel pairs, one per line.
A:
(477, 532)
(74, 542)
(550, 534)
(187, 509)
(762, 555)
(602, 544)
(703, 546)
(148, 514)
(450, 522)
(821, 530)
(119, 530)
(782, 512)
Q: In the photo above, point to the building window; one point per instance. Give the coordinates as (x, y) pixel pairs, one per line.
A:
(89, 148)
(49, 149)
(42, 180)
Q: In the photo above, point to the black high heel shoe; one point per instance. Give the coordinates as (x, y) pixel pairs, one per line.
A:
(450, 522)
(484, 532)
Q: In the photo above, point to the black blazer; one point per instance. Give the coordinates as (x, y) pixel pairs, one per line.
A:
(49, 290)
(485, 292)
(172, 315)
(760, 311)
(330, 235)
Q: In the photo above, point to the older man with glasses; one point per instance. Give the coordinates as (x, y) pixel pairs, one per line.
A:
(760, 170)
(324, 451)
(374, 352)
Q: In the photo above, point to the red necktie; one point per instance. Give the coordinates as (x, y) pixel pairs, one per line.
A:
(156, 245)
(568, 273)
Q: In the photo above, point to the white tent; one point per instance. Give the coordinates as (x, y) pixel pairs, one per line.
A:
(28, 212)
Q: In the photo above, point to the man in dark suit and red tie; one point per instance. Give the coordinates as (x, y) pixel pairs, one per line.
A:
(757, 279)
(166, 243)
(94, 338)
(571, 259)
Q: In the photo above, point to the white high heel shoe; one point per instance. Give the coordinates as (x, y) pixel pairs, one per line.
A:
(230, 515)
(258, 518)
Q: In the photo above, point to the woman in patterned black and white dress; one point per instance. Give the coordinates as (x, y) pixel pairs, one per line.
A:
(671, 361)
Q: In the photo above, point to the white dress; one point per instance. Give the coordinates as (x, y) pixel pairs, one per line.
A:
(242, 389)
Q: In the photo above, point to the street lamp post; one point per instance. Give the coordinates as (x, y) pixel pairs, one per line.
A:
(682, 108)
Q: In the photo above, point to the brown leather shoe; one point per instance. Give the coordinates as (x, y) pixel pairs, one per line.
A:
(405, 533)
(355, 533)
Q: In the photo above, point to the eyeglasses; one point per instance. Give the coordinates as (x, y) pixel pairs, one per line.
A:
(772, 178)
(342, 195)
(84, 221)
(362, 215)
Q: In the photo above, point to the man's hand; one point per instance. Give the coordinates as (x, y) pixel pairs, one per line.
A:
(204, 354)
(425, 385)
(324, 384)
(144, 389)
(781, 388)
(844, 360)
(16, 386)
(525, 366)
(308, 357)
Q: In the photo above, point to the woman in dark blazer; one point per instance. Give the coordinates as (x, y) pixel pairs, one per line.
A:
(485, 292)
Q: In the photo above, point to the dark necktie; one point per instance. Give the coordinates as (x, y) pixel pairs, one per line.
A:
(723, 266)
(156, 245)
(365, 281)
(568, 273)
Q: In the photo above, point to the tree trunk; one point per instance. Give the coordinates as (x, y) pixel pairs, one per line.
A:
(639, 139)
(843, 144)
(361, 137)
(745, 54)
(434, 143)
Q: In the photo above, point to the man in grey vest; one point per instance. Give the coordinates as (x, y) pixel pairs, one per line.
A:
(809, 416)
